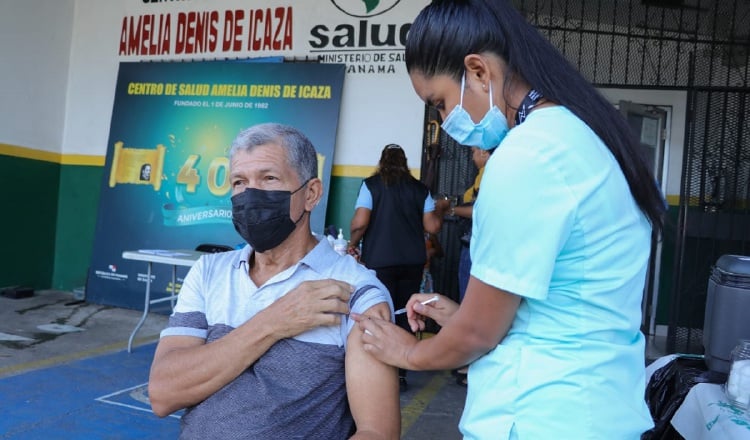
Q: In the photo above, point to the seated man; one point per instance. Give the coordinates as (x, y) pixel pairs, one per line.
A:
(260, 344)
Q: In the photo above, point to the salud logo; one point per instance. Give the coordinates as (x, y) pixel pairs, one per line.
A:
(364, 8)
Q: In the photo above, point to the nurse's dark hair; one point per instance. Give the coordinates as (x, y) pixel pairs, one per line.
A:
(300, 152)
(446, 31)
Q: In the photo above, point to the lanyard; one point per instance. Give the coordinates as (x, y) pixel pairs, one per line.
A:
(529, 102)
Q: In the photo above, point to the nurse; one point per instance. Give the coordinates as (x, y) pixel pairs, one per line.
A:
(560, 241)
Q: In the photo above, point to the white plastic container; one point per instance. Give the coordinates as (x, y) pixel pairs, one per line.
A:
(738, 383)
(340, 244)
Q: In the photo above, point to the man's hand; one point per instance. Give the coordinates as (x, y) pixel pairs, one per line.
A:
(309, 305)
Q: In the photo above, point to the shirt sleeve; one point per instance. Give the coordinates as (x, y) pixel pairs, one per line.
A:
(189, 315)
(522, 218)
(364, 198)
(429, 203)
(364, 298)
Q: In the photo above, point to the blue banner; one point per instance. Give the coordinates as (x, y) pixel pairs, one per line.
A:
(165, 183)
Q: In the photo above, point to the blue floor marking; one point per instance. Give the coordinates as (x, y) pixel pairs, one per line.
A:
(101, 397)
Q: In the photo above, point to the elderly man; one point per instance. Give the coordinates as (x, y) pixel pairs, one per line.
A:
(260, 344)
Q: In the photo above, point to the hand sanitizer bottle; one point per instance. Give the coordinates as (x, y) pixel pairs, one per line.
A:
(339, 245)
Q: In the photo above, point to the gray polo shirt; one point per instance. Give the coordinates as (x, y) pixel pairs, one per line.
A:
(296, 390)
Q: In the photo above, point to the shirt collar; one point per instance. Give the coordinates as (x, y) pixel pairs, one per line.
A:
(321, 257)
(242, 256)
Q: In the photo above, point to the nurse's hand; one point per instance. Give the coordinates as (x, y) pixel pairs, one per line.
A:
(385, 341)
(440, 310)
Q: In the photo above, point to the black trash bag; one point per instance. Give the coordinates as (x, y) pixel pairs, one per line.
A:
(666, 391)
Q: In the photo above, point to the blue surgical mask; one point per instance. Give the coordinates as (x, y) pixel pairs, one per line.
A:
(487, 134)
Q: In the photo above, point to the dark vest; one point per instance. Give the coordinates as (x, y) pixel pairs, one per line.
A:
(395, 234)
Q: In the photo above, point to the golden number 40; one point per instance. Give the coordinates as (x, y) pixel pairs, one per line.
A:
(218, 181)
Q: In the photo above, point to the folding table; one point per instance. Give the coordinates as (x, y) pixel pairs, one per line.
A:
(178, 257)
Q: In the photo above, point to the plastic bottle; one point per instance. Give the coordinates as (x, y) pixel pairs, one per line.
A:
(340, 244)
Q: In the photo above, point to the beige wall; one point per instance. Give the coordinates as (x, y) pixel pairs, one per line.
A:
(35, 39)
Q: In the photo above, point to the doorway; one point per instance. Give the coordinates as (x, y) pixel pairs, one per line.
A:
(650, 124)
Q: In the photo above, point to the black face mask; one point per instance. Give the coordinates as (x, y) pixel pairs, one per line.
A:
(262, 217)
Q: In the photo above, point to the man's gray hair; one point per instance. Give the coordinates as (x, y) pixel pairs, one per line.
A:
(300, 152)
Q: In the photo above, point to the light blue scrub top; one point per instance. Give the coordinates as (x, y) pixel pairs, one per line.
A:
(555, 223)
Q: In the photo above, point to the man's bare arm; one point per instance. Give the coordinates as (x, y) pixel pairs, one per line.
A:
(372, 387)
(186, 370)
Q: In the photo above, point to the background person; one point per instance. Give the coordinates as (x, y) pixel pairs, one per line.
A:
(259, 344)
(551, 317)
(465, 210)
(392, 212)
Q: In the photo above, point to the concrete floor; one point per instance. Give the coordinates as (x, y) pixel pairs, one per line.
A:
(79, 329)
(65, 373)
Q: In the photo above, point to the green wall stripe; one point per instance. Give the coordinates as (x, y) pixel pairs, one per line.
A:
(80, 187)
(27, 227)
(341, 198)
